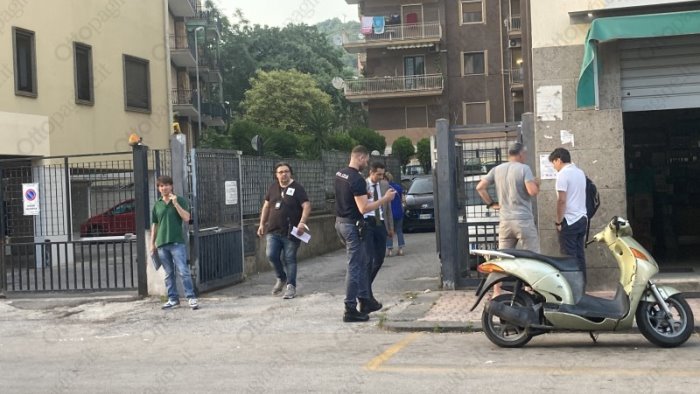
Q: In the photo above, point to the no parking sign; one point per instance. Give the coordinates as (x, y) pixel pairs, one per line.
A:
(30, 198)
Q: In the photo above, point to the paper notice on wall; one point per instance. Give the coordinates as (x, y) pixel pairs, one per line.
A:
(547, 170)
(231, 189)
(549, 103)
(567, 137)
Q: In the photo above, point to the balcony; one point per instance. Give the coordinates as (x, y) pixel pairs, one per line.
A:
(514, 25)
(393, 87)
(182, 8)
(184, 102)
(517, 78)
(181, 52)
(206, 18)
(214, 114)
(411, 35)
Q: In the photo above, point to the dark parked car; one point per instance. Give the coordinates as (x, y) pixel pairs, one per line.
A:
(419, 212)
(118, 220)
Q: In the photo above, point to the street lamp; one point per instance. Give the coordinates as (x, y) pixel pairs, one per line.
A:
(199, 99)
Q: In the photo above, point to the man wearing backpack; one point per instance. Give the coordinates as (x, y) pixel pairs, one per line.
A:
(570, 220)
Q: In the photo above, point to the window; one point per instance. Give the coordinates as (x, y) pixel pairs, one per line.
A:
(137, 91)
(82, 55)
(25, 62)
(476, 113)
(474, 63)
(472, 11)
(414, 66)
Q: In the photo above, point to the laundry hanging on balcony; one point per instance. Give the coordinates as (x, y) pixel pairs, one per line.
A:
(366, 25)
(378, 25)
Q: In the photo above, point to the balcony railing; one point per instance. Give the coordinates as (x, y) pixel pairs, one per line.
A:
(404, 32)
(184, 97)
(514, 23)
(517, 76)
(394, 86)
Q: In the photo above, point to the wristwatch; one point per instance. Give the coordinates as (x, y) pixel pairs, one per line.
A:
(492, 203)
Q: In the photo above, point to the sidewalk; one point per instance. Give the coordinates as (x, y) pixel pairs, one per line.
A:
(448, 311)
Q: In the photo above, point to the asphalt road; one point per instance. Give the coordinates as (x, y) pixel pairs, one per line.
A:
(243, 340)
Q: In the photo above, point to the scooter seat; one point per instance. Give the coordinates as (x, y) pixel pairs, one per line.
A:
(564, 264)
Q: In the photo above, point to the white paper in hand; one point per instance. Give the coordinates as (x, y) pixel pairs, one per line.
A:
(305, 238)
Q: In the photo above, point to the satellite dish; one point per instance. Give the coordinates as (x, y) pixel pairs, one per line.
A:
(338, 83)
(257, 143)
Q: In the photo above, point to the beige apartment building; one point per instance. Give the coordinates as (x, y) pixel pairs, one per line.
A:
(78, 76)
(622, 79)
(466, 61)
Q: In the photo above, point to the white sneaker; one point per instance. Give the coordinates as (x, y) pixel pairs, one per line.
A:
(290, 293)
(170, 304)
(193, 303)
(279, 285)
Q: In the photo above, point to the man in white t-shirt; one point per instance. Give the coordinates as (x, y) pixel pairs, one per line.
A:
(571, 219)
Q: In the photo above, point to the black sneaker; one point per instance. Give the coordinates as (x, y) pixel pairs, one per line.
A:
(370, 305)
(353, 315)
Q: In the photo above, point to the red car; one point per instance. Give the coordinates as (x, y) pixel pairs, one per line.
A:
(118, 220)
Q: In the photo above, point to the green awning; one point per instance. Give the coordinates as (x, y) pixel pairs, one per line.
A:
(619, 27)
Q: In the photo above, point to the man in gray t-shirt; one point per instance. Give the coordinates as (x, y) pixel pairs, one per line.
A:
(515, 187)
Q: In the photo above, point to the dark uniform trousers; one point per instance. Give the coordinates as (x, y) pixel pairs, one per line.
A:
(376, 248)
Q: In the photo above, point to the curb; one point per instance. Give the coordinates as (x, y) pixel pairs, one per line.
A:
(43, 303)
(408, 320)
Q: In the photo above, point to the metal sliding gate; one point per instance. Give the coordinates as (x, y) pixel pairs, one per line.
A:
(68, 224)
(465, 155)
(217, 229)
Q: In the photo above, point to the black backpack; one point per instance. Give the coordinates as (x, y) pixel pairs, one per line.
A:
(592, 203)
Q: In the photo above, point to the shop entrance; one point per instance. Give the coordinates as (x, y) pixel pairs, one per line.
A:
(662, 160)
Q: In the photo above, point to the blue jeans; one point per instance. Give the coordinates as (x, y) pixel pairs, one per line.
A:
(356, 276)
(172, 256)
(276, 244)
(398, 229)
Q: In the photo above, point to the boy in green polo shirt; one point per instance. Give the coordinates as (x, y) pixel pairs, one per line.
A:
(167, 239)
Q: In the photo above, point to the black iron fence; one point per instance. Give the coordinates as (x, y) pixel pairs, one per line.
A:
(68, 222)
(317, 177)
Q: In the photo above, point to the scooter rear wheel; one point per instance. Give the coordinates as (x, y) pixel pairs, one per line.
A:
(502, 333)
(653, 324)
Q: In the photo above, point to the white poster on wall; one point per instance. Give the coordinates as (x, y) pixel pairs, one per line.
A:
(549, 103)
(30, 198)
(547, 170)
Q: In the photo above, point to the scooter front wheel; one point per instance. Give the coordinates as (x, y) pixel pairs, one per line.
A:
(662, 330)
(501, 332)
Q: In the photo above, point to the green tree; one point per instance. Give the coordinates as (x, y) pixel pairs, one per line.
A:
(284, 100)
(423, 154)
(342, 142)
(402, 149)
(369, 138)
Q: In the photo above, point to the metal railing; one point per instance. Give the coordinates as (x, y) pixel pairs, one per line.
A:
(183, 96)
(403, 32)
(517, 76)
(182, 41)
(410, 83)
(514, 23)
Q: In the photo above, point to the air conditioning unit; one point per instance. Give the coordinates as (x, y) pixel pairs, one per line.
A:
(514, 43)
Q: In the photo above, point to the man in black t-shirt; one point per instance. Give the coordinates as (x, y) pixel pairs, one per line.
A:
(286, 205)
(351, 203)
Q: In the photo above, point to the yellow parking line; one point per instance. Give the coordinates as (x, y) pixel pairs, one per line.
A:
(377, 362)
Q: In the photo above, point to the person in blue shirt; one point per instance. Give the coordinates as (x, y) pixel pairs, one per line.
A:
(397, 212)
